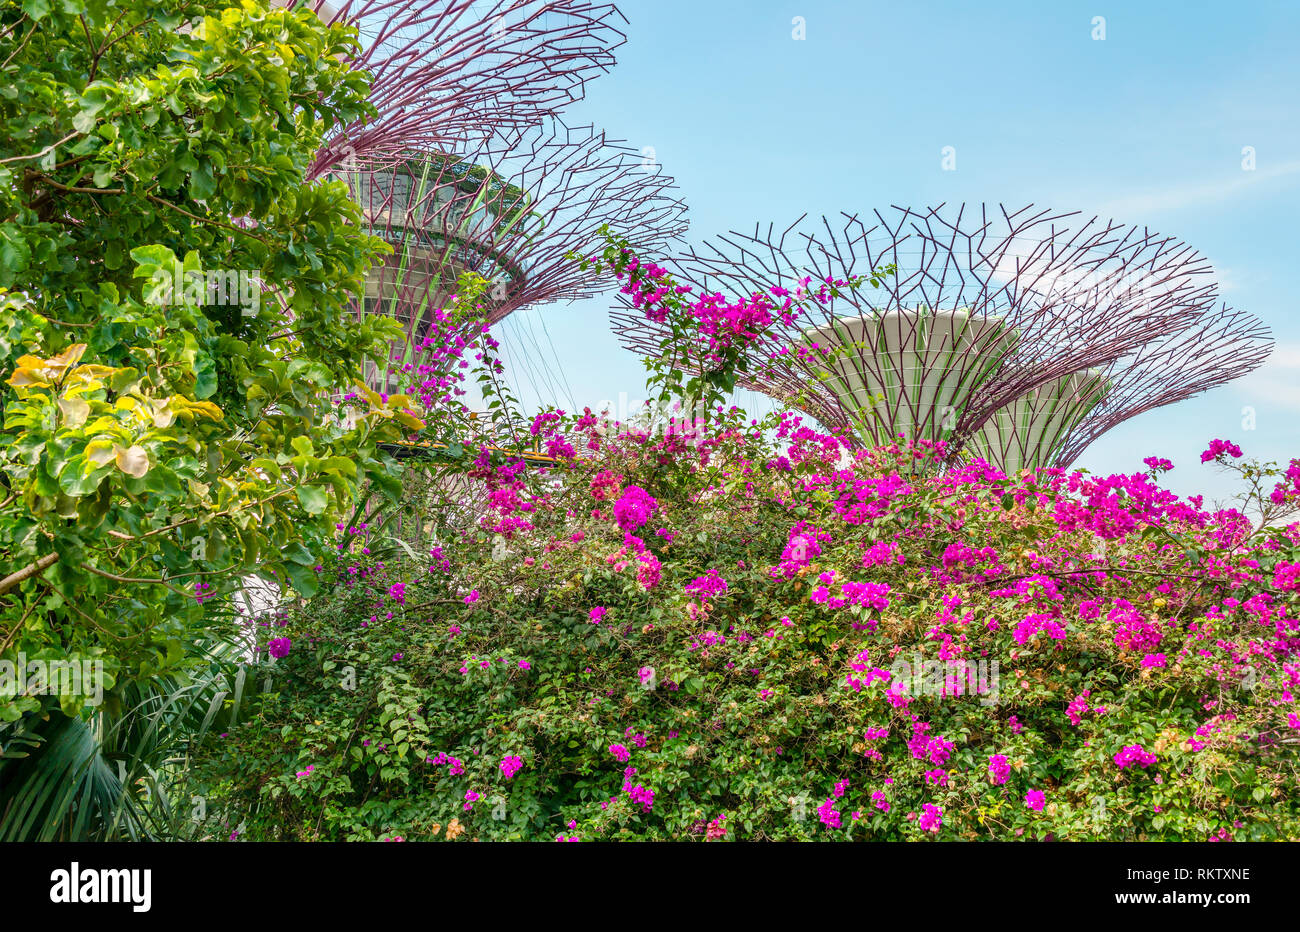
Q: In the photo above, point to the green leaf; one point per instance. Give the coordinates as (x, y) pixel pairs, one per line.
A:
(269, 466)
(205, 376)
(312, 498)
(297, 553)
(304, 579)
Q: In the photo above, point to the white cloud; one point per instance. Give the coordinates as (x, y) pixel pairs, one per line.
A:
(1278, 380)
(1226, 279)
(1285, 356)
(1194, 194)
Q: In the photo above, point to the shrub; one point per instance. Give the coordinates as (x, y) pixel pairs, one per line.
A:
(754, 633)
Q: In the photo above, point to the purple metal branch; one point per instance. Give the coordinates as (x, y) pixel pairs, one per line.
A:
(1216, 348)
(447, 72)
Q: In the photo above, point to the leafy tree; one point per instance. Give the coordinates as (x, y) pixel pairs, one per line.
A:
(174, 332)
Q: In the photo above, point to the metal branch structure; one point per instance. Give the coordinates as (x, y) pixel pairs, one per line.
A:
(1018, 335)
(448, 72)
(1215, 349)
(515, 210)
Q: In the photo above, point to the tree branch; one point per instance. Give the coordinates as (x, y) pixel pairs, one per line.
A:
(27, 572)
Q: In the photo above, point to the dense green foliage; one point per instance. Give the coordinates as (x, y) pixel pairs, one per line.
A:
(174, 336)
(154, 439)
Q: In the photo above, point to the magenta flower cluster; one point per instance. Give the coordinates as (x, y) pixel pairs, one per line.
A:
(1218, 448)
(999, 768)
(707, 586)
(1134, 754)
(634, 508)
(510, 765)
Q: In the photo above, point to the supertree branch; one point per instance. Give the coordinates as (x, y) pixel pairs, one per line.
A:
(1215, 349)
(987, 309)
(578, 183)
(1079, 297)
(514, 211)
(447, 72)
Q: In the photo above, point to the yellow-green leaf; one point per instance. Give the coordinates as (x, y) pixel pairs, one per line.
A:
(75, 411)
(132, 460)
(100, 452)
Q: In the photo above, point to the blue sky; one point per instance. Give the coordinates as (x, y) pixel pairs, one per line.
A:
(1147, 126)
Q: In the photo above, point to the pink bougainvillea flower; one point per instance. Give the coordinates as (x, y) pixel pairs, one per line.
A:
(634, 508)
(1219, 447)
(828, 814)
(1134, 754)
(510, 765)
(708, 585)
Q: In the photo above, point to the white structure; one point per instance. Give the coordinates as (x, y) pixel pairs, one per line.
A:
(913, 371)
(1029, 432)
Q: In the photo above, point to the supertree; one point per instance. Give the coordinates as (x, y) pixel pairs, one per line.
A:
(514, 210)
(992, 329)
(446, 72)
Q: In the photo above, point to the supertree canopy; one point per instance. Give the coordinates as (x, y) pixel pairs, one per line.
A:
(1018, 336)
(447, 72)
(514, 211)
